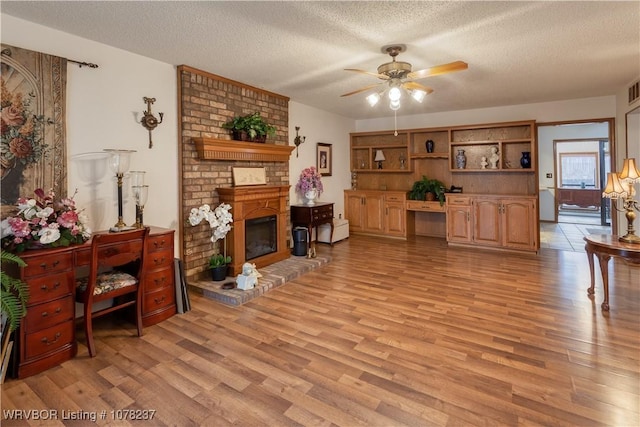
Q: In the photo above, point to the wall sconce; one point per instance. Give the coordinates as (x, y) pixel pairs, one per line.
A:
(148, 120)
(620, 186)
(298, 139)
(119, 164)
(379, 158)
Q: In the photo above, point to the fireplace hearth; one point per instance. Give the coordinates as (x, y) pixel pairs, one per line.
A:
(259, 233)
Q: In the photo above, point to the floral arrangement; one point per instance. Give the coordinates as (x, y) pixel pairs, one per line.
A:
(44, 222)
(309, 179)
(21, 131)
(219, 220)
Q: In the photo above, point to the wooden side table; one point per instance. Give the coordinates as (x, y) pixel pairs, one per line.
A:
(604, 246)
(311, 216)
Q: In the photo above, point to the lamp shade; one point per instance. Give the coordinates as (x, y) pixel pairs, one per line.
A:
(379, 156)
(614, 188)
(630, 172)
(418, 95)
(119, 160)
(373, 99)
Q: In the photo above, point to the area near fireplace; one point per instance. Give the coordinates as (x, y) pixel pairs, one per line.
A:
(257, 206)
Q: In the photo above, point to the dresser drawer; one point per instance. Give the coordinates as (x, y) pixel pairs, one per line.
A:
(394, 198)
(322, 212)
(45, 315)
(48, 340)
(158, 299)
(160, 243)
(423, 206)
(47, 264)
(158, 280)
(158, 259)
(52, 287)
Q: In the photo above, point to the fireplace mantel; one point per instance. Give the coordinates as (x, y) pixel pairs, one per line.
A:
(226, 149)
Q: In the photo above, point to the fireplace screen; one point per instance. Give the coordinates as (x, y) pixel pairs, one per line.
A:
(261, 237)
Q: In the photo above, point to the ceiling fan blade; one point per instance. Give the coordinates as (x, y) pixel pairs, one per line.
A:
(438, 69)
(380, 76)
(361, 90)
(416, 85)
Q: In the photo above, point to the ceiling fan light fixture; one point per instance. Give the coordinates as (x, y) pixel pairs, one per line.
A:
(418, 95)
(395, 93)
(373, 99)
(394, 105)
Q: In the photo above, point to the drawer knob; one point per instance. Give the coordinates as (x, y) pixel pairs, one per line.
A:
(161, 280)
(46, 341)
(46, 313)
(159, 300)
(158, 261)
(46, 288)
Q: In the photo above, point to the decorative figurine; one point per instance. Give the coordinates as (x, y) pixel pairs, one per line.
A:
(249, 277)
(494, 158)
(483, 163)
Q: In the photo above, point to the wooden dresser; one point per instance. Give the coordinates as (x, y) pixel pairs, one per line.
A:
(46, 336)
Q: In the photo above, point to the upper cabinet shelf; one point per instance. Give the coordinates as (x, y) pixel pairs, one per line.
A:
(506, 142)
(225, 149)
(365, 145)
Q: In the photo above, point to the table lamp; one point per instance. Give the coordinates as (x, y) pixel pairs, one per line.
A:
(137, 180)
(379, 158)
(140, 194)
(119, 164)
(620, 186)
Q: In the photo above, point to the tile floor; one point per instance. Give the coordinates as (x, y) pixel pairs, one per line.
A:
(567, 234)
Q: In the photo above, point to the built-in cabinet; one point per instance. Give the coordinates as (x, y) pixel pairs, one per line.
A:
(508, 222)
(376, 212)
(498, 206)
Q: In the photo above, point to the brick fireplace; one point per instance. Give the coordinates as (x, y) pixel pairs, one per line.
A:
(208, 156)
(261, 202)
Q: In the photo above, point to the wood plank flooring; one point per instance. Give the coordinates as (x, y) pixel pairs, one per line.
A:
(390, 333)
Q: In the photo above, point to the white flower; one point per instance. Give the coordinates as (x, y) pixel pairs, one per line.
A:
(49, 235)
(219, 219)
(29, 209)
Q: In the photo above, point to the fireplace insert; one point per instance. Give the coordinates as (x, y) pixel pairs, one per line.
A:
(261, 237)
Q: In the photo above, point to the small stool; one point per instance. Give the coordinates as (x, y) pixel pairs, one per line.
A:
(340, 231)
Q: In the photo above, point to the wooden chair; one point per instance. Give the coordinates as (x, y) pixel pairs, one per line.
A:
(115, 272)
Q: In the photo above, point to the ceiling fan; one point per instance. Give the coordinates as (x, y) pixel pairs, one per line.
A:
(398, 75)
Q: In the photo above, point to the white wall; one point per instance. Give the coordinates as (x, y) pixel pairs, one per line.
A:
(104, 106)
(320, 126)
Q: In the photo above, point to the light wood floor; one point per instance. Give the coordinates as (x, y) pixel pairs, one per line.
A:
(390, 333)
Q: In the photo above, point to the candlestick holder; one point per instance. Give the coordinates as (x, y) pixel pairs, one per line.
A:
(119, 164)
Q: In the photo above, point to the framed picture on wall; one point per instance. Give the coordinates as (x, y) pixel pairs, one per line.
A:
(323, 159)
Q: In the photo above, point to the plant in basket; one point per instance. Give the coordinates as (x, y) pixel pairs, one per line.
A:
(44, 222)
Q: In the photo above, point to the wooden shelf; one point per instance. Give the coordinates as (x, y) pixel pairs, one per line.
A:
(226, 149)
(430, 156)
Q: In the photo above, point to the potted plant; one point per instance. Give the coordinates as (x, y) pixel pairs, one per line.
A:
(14, 293)
(427, 189)
(219, 220)
(251, 127)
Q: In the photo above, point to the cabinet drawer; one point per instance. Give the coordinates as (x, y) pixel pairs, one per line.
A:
(158, 259)
(458, 200)
(161, 242)
(423, 206)
(83, 257)
(52, 287)
(158, 279)
(47, 264)
(48, 314)
(394, 198)
(50, 339)
(158, 299)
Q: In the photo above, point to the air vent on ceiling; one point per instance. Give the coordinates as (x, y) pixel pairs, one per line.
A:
(634, 92)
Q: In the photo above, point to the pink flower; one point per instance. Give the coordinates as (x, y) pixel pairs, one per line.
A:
(12, 116)
(19, 227)
(68, 219)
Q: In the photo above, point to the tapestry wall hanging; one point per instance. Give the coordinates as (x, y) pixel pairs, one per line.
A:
(33, 149)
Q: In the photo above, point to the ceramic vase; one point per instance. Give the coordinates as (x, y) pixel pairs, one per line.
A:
(429, 144)
(461, 159)
(525, 160)
(311, 196)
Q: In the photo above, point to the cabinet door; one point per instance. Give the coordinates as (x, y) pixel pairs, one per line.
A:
(459, 224)
(518, 224)
(395, 219)
(353, 208)
(486, 221)
(373, 213)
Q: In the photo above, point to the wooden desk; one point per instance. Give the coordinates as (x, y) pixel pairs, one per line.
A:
(46, 336)
(311, 216)
(604, 246)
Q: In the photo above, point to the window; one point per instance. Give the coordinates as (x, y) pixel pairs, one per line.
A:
(579, 170)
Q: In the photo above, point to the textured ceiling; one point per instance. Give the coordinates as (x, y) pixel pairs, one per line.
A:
(518, 52)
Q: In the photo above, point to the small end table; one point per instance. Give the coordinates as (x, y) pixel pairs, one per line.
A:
(311, 216)
(604, 246)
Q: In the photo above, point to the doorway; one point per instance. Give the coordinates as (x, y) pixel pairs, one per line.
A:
(563, 225)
